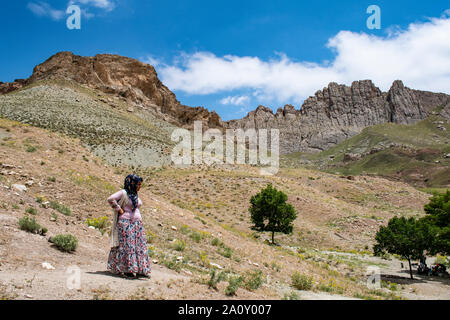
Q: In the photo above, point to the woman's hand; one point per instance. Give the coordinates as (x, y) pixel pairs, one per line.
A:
(121, 211)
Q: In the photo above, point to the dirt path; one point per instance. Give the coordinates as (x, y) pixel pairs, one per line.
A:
(420, 288)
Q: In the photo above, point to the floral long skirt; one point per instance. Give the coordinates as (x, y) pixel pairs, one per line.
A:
(131, 256)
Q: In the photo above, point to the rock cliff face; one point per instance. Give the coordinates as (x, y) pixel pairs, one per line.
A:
(339, 112)
(329, 117)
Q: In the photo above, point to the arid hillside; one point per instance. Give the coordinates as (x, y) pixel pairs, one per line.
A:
(197, 222)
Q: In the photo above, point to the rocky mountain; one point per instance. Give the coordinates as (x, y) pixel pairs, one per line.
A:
(339, 112)
(127, 78)
(331, 116)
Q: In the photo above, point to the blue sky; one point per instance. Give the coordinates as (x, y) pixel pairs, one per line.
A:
(230, 56)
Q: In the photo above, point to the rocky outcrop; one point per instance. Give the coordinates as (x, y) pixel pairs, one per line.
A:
(339, 112)
(131, 79)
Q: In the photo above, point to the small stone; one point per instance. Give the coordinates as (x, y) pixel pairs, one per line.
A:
(216, 265)
(19, 187)
(179, 258)
(155, 261)
(29, 183)
(47, 266)
(92, 227)
(174, 228)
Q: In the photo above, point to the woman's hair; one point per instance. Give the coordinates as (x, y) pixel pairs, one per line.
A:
(130, 185)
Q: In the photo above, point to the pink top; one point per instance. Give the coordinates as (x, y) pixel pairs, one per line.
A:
(128, 210)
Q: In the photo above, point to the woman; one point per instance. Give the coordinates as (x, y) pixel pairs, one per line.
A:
(129, 252)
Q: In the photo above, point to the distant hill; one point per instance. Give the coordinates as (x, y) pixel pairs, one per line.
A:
(418, 154)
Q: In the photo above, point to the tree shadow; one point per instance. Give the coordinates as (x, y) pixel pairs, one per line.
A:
(418, 278)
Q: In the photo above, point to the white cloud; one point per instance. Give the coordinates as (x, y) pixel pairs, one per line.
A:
(418, 55)
(151, 61)
(43, 9)
(235, 100)
(107, 5)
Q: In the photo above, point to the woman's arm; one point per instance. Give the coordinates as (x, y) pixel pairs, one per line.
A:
(112, 200)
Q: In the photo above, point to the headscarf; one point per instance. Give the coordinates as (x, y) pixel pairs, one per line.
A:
(130, 185)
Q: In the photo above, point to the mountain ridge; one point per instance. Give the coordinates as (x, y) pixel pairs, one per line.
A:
(331, 116)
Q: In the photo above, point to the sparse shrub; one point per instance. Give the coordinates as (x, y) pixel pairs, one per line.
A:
(196, 236)
(31, 149)
(150, 237)
(215, 242)
(179, 245)
(40, 199)
(31, 210)
(301, 281)
(60, 208)
(253, 280)
(291, 296)
(98, 223)
(65, 242)
(172, 264)
(30, 225)
(204, 259)
(215, 278)
(275, 266)
(234, 284)
(51, 179)
(184, 229)
(225, 251)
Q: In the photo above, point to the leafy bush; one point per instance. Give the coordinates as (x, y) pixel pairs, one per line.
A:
(65, 242)
(30, 225)
(254, 280)
(234, 284)
(301, 281)
(215, 242)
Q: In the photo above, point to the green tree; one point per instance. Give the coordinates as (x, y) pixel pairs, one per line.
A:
(438, 215)
(270, 212)
(409, 238)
